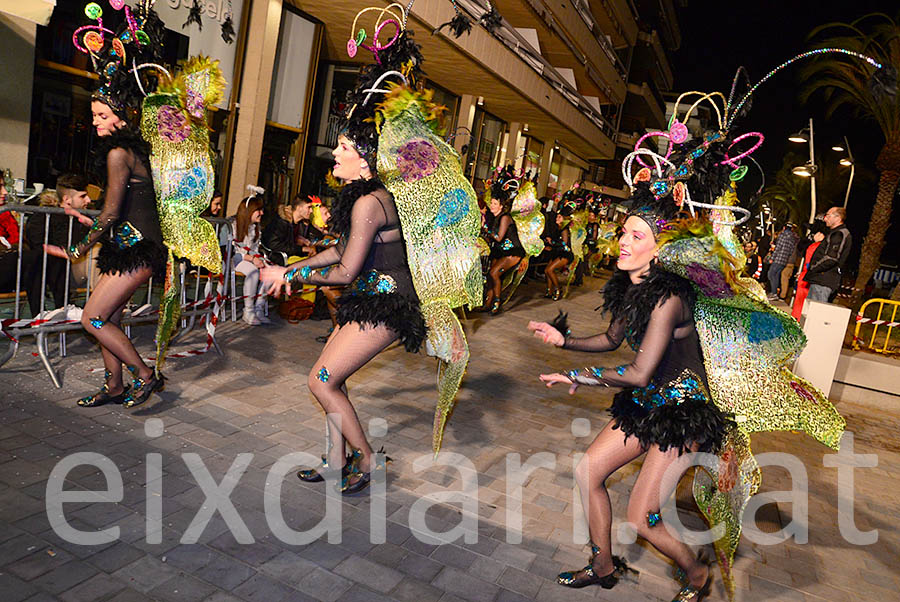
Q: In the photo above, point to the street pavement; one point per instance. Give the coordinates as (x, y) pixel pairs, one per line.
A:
(254, 400)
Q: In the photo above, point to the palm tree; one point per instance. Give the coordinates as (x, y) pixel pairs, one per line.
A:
(845, 82)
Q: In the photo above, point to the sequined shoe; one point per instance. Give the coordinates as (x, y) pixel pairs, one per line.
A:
(358, 481)
(142, 389)
(495, 307)
(681, 577)
(689, 593)
(314, 475)
(102, 396)
(587, 576)
(557, 295)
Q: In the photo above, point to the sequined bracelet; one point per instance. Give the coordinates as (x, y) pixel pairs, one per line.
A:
(73, 252)
(303, 272)
(572, 374)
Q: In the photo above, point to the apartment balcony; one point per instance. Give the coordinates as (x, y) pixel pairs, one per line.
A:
(646, 104)
(516, 82)
(570, 38)
(651, 61)
(616, 19)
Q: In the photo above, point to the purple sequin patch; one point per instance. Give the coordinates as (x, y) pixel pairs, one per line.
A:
(417, 159)
(195, 104)
(711, 282)
(172, 124)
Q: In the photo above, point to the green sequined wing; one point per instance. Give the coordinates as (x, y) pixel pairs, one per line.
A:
(174, 122)
(439, 214)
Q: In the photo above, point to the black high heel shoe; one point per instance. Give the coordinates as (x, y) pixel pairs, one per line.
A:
(103, 396)
(143, 388)
(587, 576)
(315, 475)
(358, 481)
(495, 307)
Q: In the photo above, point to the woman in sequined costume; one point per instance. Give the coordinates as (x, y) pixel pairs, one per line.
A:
(379, 306)
(506, 248)
(560, 253)
(663, 409)
(132, 250)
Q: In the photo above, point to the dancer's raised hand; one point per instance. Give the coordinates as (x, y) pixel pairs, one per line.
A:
(547, 333)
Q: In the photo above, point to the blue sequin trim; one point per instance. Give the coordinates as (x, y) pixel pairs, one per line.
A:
(597, 372)
(374, 283)
(126, 236)
(506, 245)
(620, 370)
(97, 323)
(653, 518)
(305, 271)
(686, 387)
(323, 374)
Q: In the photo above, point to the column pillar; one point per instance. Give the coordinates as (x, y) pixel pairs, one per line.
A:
(256, 84)
(465, 119)
(546, 161)
(510, 151)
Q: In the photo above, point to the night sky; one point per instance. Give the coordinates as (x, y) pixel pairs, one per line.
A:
(760, 34)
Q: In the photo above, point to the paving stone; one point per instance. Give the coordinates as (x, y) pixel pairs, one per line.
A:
(521, 582)
(323, 585)
(515, 556)
(97, 587)
(324, 554)
(419, 567)
(14, 589)
(260, 588)
(358, 593)
(182, 588)
(413, 590)
(64, 577)
(225, 572)
(452, 555)
(465, 586)
(373, 576)
(145, 573)
(19, 547)
(288, 567)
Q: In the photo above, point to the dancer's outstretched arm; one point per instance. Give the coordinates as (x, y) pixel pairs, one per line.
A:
(366, 219)
(118, 171)
(608, 341)
(663, 321)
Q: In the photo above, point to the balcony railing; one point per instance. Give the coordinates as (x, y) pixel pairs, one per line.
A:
(521, 47)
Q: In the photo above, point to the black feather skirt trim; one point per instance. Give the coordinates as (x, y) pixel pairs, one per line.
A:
(398, 312)
(671, 425)
(144, 253)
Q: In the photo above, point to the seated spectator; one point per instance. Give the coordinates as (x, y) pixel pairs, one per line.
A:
(37, 231)
(215, 206)
(285, 236)
(73, 194)
(248, 260)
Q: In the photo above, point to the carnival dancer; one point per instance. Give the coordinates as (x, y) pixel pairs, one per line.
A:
(128, 226)
(559, 250)
(712, 353)
(382, 302)
(502, 235)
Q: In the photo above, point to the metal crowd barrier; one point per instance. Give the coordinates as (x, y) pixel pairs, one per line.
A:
(17, 327)
(880, 320)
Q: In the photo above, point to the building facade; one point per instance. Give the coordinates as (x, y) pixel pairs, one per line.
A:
(559, 89)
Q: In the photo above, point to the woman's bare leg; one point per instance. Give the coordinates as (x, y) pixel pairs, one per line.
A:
(104, 306)
(647, 497)
(498, 268)
(349, 349)
(609, 452)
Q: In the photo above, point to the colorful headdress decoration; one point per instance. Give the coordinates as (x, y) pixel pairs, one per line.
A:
(118, 57)
(396, 56)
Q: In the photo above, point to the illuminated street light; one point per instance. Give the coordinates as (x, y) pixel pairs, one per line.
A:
(807, 170)
(799, 137)
(838, 148)
(846, 162)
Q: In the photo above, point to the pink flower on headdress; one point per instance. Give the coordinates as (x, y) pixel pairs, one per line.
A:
(195, 104)
(417, 159)
(172, 124)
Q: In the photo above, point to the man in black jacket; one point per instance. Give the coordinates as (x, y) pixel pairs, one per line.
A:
(824, 272)
(290, 233)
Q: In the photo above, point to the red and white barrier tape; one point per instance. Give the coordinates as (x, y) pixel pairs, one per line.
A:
(861, 320)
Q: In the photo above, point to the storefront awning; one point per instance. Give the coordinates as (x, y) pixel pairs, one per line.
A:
(36, 11)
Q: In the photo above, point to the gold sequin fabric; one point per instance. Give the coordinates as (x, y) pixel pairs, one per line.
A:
(526, 212)
(173, 121)
(439, 214)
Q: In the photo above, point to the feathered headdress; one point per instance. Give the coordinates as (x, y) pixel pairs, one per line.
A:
(118, 56)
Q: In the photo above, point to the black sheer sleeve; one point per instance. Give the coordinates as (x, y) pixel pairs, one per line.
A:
(660, 330)
(118, 172)
(609, 340)
(347, 258)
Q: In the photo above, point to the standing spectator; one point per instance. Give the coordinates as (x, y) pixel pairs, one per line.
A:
(754, 261)
(824, 272)
(817, 231)
(788, 271)
(782, 253)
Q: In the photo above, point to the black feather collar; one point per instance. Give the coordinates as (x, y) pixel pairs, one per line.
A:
(127, 138)
(634, 303)
(341, 209)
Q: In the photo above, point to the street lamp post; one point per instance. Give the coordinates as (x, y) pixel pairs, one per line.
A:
(808, 170)
(845, 162)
